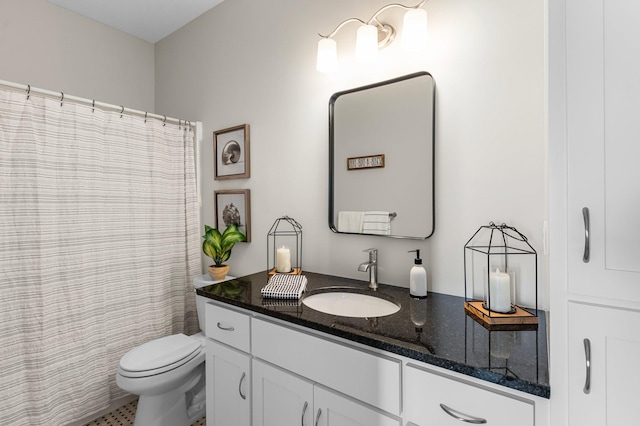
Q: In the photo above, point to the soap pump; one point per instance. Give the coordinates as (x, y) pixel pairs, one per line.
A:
(417, 277)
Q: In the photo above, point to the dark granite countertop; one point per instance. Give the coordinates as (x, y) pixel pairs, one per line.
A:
(448, 339)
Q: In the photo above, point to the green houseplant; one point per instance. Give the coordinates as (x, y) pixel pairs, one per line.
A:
(218, 247)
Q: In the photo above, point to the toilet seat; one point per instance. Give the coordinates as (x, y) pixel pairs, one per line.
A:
(159, 356)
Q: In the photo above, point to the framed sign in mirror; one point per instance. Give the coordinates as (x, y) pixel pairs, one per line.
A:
(381, 158)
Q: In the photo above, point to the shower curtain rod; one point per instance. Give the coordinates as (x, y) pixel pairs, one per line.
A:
(95, 104)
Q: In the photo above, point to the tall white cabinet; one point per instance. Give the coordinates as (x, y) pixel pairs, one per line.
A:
(594, 158)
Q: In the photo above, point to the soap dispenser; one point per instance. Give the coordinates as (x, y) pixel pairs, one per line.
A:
(418, 277)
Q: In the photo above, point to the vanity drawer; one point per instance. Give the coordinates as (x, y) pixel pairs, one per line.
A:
(369, 377)
(228, 326)
(433, 399)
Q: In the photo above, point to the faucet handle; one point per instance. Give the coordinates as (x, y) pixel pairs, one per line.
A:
(373, 254)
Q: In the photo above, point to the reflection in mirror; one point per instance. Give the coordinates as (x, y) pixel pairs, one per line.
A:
(381, 142)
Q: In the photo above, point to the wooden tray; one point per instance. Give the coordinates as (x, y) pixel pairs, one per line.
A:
(520, 320)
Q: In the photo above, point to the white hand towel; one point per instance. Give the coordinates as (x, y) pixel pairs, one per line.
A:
(350, 221)
(376, 222)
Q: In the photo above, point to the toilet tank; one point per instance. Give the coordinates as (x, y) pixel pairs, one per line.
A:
(198, 282)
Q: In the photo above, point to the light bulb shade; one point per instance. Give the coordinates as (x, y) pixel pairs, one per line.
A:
(367, 44)
(327, 60)
(414, 30)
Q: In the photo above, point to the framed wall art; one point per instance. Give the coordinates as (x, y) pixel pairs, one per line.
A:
(233, 206)
(231, 151)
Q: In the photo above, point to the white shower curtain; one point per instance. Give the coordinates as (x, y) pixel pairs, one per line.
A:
(99, 243)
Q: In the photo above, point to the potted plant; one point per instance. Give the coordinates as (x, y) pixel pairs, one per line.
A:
(218, 247)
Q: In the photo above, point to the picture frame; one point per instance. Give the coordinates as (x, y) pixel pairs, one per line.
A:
(231, 153)
(233, 206)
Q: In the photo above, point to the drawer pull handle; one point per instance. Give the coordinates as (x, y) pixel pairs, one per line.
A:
(586, 255)
(587, 359)
(222, 327)
(411, 424)
(240, 386)
(462, 417)
(304, 411)
(318, 416)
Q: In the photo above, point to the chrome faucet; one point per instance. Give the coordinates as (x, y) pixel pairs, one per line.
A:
(372, 267)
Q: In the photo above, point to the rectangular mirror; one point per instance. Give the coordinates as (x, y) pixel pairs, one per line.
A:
(381, 151)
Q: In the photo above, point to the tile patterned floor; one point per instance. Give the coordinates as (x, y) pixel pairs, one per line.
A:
(124, 416)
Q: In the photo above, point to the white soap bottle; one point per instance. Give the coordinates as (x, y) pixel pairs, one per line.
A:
(417, 278)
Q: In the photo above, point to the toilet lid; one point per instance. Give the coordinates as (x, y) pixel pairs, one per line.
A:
(159, 353)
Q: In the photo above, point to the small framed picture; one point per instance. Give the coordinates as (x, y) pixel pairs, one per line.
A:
(231, 151)
(233, 206)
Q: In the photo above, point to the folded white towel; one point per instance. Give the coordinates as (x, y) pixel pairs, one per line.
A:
(376, 222)
(350, 221)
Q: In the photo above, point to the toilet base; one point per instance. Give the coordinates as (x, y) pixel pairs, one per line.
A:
(178, 407)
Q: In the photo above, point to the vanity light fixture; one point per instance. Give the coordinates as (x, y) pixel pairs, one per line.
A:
(374, 35)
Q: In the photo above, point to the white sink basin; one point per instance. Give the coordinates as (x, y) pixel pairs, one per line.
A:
(347, 303)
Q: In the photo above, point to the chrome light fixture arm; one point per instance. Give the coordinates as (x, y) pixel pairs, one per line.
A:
(373, 20)
(389, 6)
(340, 25)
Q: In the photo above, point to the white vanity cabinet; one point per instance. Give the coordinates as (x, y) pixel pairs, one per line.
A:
(333, 409)
(604, 349)
(282, 398)
(266, 372)
(279, 397)
(351, 387)
(433, 399)
(595, 208)
(228, 367)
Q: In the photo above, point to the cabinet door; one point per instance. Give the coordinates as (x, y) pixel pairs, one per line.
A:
(603, 390)
(603, 129)
(431, 399)
(280, 398)
(228, 386)
(332, 409)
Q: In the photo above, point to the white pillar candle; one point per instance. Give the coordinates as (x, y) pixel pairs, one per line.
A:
(283, 260)
(499, 292)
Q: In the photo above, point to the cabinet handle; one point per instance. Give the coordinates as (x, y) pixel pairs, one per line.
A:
(240, 386)
(587, 244)
(304, 411)
(587, 359)
(221, 327)
(411, 424)
(318, 416)
(462, 417)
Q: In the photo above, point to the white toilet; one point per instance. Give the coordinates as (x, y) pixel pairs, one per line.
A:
(168, 374)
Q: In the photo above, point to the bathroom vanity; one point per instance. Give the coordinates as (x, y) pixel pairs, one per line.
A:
(273, 362)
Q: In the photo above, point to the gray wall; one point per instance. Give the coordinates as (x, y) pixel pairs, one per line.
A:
(250, 61)
(46, 46)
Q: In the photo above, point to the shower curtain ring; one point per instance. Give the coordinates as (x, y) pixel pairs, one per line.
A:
(121, 111)
(93, 106)
(61, 98)
(28, 91)
(164, 121)
(145, 117)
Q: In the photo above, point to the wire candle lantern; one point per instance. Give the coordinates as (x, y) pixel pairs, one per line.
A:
(500, 274)
(284, 247)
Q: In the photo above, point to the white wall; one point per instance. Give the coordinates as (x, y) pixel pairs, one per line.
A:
(250, 61)
(46, 46)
